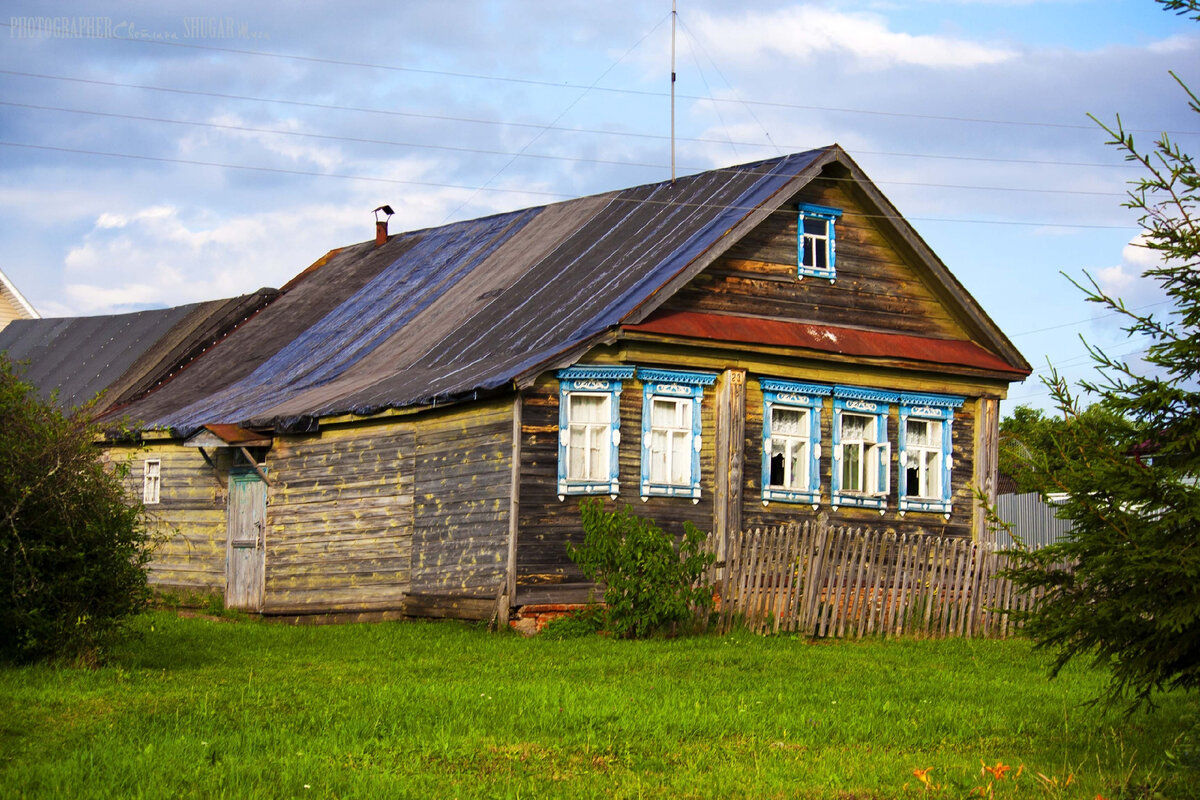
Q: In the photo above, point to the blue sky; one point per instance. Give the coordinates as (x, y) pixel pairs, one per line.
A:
(204, 150)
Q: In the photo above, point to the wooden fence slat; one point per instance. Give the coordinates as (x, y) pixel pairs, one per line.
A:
(821, 580)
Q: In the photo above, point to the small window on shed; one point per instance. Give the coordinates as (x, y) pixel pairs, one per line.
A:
(151, 480)
(817, 242)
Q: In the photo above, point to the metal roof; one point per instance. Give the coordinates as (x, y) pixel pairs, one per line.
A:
(439, 314)
(442, 314)
(75, 358)
(825, 338)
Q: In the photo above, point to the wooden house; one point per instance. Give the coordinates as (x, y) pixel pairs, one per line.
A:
(410, 427)
(13, 304)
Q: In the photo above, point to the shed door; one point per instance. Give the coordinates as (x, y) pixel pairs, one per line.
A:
(244, 554)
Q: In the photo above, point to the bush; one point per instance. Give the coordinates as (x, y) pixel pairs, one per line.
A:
(650, 585)
(586, 621)
(73, 549)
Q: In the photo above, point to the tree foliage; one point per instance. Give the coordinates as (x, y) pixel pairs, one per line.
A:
(651, 585)
(73, 549)
(1028, 449)
(1129, 597)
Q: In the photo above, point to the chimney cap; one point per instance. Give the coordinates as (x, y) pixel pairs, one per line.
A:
(386, 209)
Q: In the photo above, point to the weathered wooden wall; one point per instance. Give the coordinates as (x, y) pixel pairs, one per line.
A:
(544, 572)
(188, 525)
(875, 288)
(340, 520)
(463, 468)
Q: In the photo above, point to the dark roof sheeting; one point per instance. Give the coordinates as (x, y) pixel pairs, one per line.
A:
(466, 307)
(446, 313)
(121, 354)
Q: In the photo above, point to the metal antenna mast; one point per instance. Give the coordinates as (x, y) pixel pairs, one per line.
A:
(673, 15)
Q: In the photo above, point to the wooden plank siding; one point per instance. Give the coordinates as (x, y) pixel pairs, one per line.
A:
(188, 524)
(463, 466)
(340, 520)
(875, 288)
(546, 524)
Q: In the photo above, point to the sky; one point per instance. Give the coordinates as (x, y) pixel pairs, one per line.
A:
(154, 154)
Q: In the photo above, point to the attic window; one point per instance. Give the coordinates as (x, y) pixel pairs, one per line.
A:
(817, 242)
(926, 447)
(589, 429)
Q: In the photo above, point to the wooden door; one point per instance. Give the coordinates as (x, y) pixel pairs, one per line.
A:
(244, 560)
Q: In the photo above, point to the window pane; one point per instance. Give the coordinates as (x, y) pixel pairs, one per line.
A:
(778, 465)
(577, 453)
(788, 422)
(933, 474)
(920, 433)
(816, 226)
(855, 428)
(681, 459)
(598, 453)
(658, 456)
(589, 408)
(664, 414)
(852, 468)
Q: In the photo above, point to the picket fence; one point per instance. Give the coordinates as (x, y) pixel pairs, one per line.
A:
(823, 581)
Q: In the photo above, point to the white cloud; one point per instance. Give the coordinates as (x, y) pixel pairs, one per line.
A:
(800, 33)
(1125, 280)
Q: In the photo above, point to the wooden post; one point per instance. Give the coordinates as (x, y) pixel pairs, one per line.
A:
(508, 593)
(730, 444)
(987, 460)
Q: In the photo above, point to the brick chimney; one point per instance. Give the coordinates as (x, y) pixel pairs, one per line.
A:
(381, 225)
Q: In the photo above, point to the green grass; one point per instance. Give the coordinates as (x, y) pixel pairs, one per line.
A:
(205, 708)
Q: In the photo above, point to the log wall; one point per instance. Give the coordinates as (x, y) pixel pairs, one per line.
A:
(340, 520)
(188, 524)
(461, 509)
(875, 288)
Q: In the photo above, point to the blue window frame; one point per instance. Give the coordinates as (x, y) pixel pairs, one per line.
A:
(589, 429)
(791, 441)
(926, 452)
(862, 455)
(816, 241)
(671, 432)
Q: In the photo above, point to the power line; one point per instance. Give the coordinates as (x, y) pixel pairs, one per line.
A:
(615, 90)
(538, 126)
(1089, 319)
(514, 155)
(556, 195)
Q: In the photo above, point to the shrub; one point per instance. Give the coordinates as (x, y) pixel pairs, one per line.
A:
(651, 585)
(586, 621)
(73, 549)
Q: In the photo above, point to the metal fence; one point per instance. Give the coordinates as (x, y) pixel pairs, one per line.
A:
(1031, 518)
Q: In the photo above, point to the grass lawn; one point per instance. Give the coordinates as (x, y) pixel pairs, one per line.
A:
(203, 708)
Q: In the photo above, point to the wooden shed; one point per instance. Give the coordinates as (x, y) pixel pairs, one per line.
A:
(410, 427)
